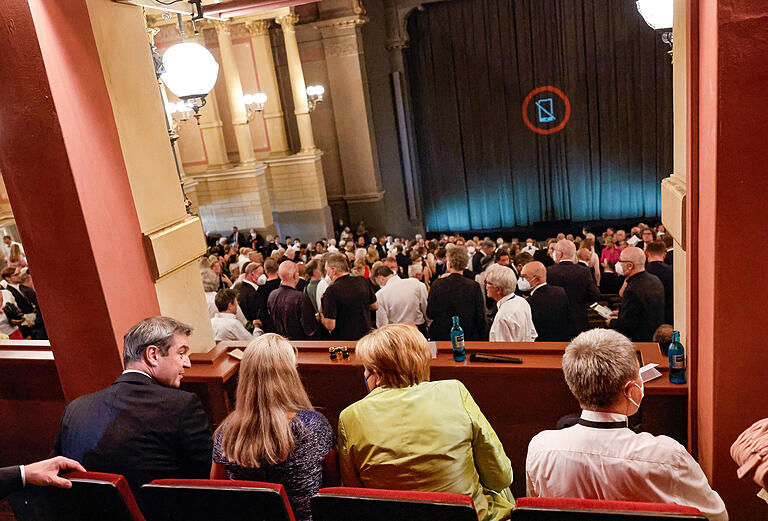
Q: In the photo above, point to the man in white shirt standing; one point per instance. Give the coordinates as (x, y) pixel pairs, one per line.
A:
(225, 324)
(513, 322)
(401, 301)
(5, 247)
(600, 457)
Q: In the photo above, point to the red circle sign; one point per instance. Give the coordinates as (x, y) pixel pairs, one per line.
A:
(546, 131)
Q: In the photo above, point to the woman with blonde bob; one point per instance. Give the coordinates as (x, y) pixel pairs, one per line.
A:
(273, 434)
(413, 434)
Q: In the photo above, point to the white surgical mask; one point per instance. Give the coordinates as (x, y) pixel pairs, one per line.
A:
(619, 269)
(471, 250)
(261, 280)
(642, 394)
(523, 284)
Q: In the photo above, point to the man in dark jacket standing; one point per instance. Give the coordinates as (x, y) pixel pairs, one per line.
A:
(577, 282)
(656, 266)
(456, 295)
(549, 305)
(642, 305)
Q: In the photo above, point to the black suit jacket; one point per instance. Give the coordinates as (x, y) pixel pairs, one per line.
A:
(668, 258)
(10, 480)
(577, 282)
(664, 272)
(456, 295)
(477, 257)
(140, 429)
(242, 242)
(542, 256)
(24, 304)
(253, 304)
(549, 311)
(642, 308)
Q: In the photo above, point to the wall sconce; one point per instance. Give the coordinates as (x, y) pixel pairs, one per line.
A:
(179, 112)
(254, 103)
(659, 15)
(190, 72)
(314, 96)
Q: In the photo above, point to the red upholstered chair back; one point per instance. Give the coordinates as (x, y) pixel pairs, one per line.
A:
(574, 509)
(94, 496)
(370, 504)
(215, 500)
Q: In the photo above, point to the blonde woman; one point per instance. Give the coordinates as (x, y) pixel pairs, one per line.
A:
(413, 434)
(273, 435)
(17, 259)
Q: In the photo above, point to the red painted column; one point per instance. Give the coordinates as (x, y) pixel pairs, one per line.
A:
(731, 255)
(61, 160)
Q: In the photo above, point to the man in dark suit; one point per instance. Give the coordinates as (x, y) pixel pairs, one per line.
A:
(142, 426)
(577, 282)
(668, 244)
(239, 238)
(655, 265)
(642, 304)
(11, 281)
(549, 305)
(455, 295)
(544, 255)
(483, 257)
(253, 304)
(43, 473)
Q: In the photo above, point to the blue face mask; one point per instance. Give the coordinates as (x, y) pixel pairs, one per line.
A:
(365, 380)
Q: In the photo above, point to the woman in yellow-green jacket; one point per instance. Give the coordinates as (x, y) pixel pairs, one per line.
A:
(413, 434)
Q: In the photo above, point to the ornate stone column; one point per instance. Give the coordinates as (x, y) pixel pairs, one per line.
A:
(298, 87)
(234, 92)
(265, 68)
(344, 60)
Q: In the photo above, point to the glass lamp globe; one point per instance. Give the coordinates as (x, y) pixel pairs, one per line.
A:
(190, 70)
(656, 13)
(260, 98)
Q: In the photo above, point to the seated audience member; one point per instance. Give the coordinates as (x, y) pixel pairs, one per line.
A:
(347, 302)
(142, 426)
(456, 295)
(225, 324)
(655, 265)
(642, 303)
(401, 301)
(600, 458)
(663, 337)
(549, 304)
(610, 282)
(274, 434)
(413, 434)
(512, 322)
(43, 473)
(291, 310)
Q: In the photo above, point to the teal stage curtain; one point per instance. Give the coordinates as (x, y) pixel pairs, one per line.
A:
(471, 65)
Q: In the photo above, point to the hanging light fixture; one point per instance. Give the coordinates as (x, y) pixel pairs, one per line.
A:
(656, 13)
(190, 73)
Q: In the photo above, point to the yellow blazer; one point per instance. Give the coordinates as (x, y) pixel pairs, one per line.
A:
(431, 436)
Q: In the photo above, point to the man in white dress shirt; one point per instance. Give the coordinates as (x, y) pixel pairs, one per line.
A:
(401, 301)
(512, 322)
(225, 324)
(600, 458)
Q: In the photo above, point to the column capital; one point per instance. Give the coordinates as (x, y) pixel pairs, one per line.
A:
(223, 26)
(257, 27)
(288, 21)
(340, 26)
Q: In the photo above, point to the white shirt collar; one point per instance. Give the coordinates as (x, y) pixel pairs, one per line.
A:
(221, 314)
(504, 300)
(537, 287)
(137, 371)
(255, 286)
(595, 416)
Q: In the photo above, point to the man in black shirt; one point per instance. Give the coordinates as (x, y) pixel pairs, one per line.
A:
(293, 315)
(656, 251)
(272, 283)
(347, 302)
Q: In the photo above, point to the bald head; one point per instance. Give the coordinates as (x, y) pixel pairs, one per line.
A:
(566, 250)
(289, 273)
(535, 273)
(635, 256)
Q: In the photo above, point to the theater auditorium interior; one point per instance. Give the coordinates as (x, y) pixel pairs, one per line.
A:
(263, 170)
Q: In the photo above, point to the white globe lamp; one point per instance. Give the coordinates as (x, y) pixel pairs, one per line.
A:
(190, 73)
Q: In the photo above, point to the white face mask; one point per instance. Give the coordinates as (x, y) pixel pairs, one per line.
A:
(619, 269)
(642, 394)
(523, 284)
(261, 280)
(471, 250)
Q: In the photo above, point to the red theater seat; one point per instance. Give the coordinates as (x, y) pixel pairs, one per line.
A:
(370, 504)
(94, 496)
(574, 509)
(215, 500)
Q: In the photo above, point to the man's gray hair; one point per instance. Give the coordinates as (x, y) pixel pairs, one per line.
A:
(338, 261)
(567, 248)
(597, 364)
(152, 331)
(502, 277)
(457, 258)
(210, 281)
